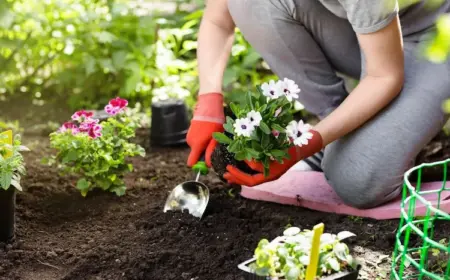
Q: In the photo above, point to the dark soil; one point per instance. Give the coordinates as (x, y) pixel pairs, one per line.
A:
(61, 235)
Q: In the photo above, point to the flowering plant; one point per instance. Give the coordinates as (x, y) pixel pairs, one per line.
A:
(288, 256)
(263, 129)
(97, 151)
(12, 165)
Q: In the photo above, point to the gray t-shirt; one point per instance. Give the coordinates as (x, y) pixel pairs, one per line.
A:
(368, 16)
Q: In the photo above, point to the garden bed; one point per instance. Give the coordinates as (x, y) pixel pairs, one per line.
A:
(61, 235)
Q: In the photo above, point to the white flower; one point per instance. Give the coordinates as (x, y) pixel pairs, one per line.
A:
(254, 117)
(289, 88)
(243, 127)
(271, 90)
(299, 132)
(291, 130)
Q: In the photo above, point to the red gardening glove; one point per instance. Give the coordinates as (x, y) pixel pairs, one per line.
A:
(208, 118)
(276, 169)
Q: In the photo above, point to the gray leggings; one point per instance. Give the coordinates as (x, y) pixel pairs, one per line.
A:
(303, 41)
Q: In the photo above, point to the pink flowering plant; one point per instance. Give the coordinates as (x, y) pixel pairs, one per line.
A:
(97, 151)
(263, 128)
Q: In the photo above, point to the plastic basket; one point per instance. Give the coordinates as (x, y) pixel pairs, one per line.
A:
(417, 255)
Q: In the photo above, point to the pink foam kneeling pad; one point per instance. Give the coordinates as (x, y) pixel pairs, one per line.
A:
(310, 189)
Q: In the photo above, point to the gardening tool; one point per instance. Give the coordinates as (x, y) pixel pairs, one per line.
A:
(311, 271)
(191, 195)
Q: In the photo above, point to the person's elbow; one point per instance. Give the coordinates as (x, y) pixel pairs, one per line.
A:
(395, 81)
(392, 80)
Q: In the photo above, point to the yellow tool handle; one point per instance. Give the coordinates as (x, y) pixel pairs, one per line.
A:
(311, 270)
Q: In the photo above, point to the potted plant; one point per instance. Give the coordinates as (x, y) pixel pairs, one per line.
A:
(97, 151)
(12, 167)
(262, 128)
(287, 257)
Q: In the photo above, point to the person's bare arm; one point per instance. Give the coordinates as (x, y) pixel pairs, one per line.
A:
(383, 82)
(215, 40)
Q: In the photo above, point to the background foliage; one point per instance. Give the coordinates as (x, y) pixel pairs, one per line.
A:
(86, 52)
(81, 53)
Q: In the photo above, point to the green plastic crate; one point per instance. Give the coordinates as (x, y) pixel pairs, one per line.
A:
(411, 261)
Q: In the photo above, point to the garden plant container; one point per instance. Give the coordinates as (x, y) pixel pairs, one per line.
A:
(7, 216)
(248, 275)
(169, 124)
(427, 258)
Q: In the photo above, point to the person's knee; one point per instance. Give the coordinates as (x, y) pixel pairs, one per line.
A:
(361, 183)
(255, 13)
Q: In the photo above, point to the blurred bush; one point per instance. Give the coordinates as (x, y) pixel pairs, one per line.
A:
(86, 52)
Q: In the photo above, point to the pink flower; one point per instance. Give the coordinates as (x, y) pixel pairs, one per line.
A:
(82, 115)
(69, 126)
(118, 102)
(275, 133)
(95, 131)
(115, 106)
(88, 124)
(111, 110)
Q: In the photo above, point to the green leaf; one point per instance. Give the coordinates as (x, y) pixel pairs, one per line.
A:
(119, 191)
(233, 147)
(264, 128)
(334, 264)
(222, 138)
(293, 273)
(240, 156)
(83, 186)
(265, 141)
(249, 100)
(262, 108)
(278, 153)
(119, 58)
(71, 155)
(256, 146)
(228, 126)
(235, 109)
(251, 59)
(278, 128)
(5, 180)
(253, 153)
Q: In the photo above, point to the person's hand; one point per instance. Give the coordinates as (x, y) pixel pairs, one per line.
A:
(276, 169)
(208, 118)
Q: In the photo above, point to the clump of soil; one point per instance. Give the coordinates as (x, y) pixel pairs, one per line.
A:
(62, 236)
(221, 158)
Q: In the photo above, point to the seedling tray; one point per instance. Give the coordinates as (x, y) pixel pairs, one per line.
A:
(249, 275)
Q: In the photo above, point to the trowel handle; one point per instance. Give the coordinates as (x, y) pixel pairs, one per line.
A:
(200, 166)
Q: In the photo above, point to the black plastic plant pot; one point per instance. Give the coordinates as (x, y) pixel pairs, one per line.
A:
(170, 123)
(249, 275)
(8, 212)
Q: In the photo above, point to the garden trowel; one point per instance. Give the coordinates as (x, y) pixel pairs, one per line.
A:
(191, 195)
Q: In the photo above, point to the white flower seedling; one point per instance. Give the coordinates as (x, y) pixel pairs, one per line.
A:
(262, 128)
(288, 256)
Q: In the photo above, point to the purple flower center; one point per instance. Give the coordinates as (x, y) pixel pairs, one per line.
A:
(251, 119)
(272, 92)
(299, 134)
(286, 90)
(243, 126)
